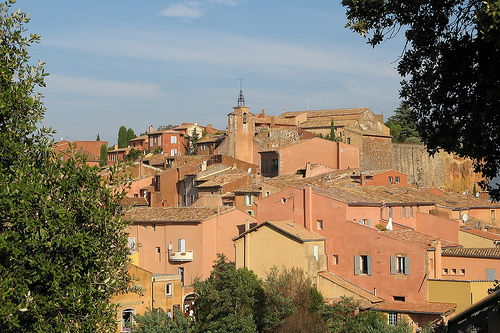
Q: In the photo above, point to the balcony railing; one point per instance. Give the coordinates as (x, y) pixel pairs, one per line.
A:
(180, 256)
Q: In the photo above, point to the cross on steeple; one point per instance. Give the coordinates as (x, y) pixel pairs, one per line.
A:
(241, 99)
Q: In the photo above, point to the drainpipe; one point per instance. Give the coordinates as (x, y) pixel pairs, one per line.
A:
(152, 294)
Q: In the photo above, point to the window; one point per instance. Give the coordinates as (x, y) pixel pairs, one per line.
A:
(250, 212)
(180, 271)
(248, 199)
(127, 320)
(445, 270)
(154, 227)
(400, 265)
(320, 224)
(131, 244)
(151, 142)
(453, 271)
(396, 180)
(335, 259)
(173, 139)
(202, 147)
(182, 245)
(169, 290)
(363, 265)
(399, 298)
(158, 254)
(316, 252)
(348, 141)
(245, 118)
(492, 214)
(274, 164)
(267, 193)
(173, 152)
(390, 179)
(462, 271)
(393, 318)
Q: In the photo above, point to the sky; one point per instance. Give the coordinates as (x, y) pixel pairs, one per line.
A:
(140, 63)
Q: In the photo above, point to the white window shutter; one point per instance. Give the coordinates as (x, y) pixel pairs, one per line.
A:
(356, 265)
(407, 265)
(393, 265)
(369, 265)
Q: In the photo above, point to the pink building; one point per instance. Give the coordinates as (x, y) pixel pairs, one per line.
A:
(288, 159)
(390, 264)
(185, 241)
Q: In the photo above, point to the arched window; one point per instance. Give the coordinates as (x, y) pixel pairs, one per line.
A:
(245, 118)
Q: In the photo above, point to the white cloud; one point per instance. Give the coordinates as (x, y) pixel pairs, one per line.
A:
(224, 2)
(102, 88)
(188, 10)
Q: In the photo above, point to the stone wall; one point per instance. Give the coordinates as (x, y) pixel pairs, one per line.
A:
(413, 159)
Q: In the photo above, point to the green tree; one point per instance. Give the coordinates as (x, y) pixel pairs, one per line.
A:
(192, 146)
(229, 300)
(331, 136)
(403, 124)
(157, 321)
(98, 137)
(133, 155)
(122, 137)
(63, 247)
(103, 159)
(130, 135)
(450, 66)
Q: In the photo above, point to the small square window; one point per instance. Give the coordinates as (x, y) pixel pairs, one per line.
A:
(462, 271)
(453, 271)
(445, 270)
(390, 179)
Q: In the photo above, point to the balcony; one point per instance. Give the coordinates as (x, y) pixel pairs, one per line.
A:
(180, 256)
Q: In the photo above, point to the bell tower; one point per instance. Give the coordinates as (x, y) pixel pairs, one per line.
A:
(241, 131)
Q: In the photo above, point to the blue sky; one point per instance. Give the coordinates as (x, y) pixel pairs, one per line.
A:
(141, 63)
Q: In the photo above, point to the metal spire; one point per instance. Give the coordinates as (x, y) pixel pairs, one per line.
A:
(241, 99)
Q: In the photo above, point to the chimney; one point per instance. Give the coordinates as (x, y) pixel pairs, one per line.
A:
(362, 177)
(308, 207)
(264, 112)
(307, 173)
(115, 147)
(151, 129)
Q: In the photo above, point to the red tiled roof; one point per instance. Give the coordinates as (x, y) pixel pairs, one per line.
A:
(173, 214)
(488, 252)
(417, 238)
(222, 179)
(415, 307)
(290, 228)
(134, 201)
(480, 233)
(351, 287)
(324, 112)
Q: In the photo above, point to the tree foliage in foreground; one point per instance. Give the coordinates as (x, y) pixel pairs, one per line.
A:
(157, 321)
(451, 70)
(63, 248)
(236, 300)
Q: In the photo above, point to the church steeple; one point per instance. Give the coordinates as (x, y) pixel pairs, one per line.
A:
(241, 99)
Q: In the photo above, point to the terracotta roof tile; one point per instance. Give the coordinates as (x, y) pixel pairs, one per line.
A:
(134, 201)
(417, 238)
(173, 214)
(415, 307)
(351, 287)
(472, 252)
(324, 112)
(290, 228)
(221, 179)
(480, 233)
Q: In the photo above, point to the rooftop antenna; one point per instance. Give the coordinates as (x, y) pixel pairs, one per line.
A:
(241, 99)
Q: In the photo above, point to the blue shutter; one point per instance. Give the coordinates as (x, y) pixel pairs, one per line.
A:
(393, 265)
(356, 265)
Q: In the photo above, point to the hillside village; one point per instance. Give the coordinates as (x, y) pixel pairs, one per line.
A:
(404, 233)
